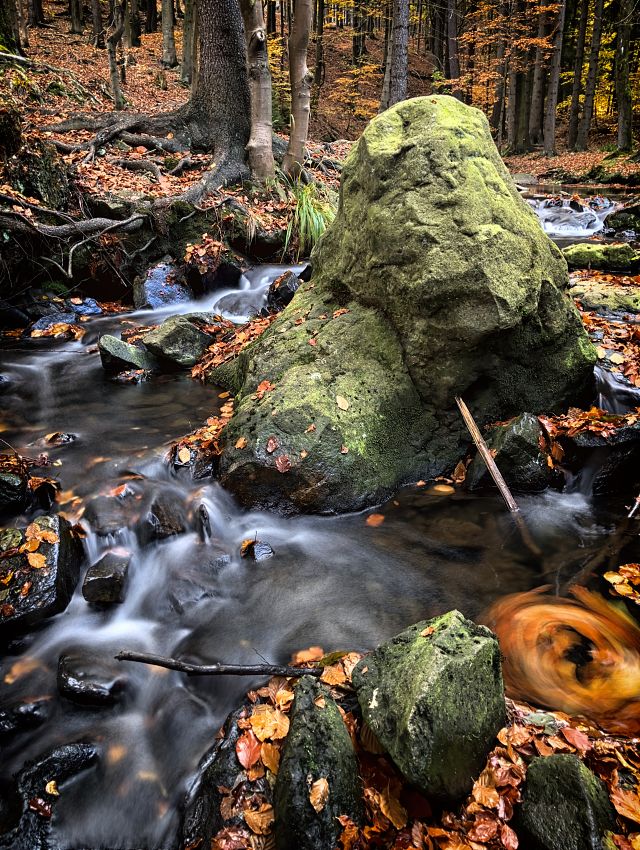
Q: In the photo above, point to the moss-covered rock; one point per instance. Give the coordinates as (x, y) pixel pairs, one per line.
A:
(318, 747)
(518, 456)
(117, 355)
(181, 340)
(614, 257)
(38, 171)
(434, 698)
(564, 806)
(607, 296)
(451, 289)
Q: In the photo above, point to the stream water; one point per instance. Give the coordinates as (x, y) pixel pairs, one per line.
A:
(336, 582)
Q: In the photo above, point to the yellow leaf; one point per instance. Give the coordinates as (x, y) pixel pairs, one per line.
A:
(241, 443)
(268, 722)
(36, 560)
(342, 402)
(319, 794)
(52, 788)
(601, 352)
(616, 358)
(392, 809)
(270, 755)
(184, 455)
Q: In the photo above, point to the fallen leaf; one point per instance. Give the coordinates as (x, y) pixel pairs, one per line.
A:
(52, 788)
(344, 450)
(310, 428)
(270, 757)
(283, 464)
(241, 443)
(319, 794)
(272, 445)
(260, 821)
(342, 402)
(268, 722)
(374, 520)
(184, 455)
(392, 809)
(248, 749)
(36, 560)
(427, 632)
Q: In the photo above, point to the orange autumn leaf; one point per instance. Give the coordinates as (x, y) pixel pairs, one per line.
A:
(268, 722)
(392, 809)
(36, 560)
(259, 821)
(247, 749)
(319, 794)
(334, 675)
(270, 755)
(375, 520)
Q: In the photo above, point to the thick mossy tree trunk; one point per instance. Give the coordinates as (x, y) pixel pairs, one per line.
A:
(260, 146)
(219, 111)
(9, 37)
(301, 80)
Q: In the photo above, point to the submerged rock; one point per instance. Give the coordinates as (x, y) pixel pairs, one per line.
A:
(104, 582)
(518, 456)
(88, 679)
(565, 806)
(38, 584)
(318, 747)
(434, 280)
(16, 717)
(117, 355)
(614, 257)
(162, 284)
(181, 340)
(606, 296)
(433, 696)
(166, 517)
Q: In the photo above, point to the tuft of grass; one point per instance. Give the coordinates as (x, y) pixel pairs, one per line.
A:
(314, 210)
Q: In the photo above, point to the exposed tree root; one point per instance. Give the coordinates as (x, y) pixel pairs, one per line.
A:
(140, 165)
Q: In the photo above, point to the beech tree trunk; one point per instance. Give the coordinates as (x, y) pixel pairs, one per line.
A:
(9, 35)
(188, 42)
(497, 113)
(113, 39)
(151, 16)
(537, 91)
(169, 56)
(97, 36)
(76, 16)
(398, 59)
(259, 147)
(584, 126)
(318, 71)
(452, 44)
(623, 82)
(36, 13)
(22, 10)
(301, 80)
(218, 115)
(554, 83)
(576, 88)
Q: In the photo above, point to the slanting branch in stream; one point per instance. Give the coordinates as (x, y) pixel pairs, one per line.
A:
(218, 669)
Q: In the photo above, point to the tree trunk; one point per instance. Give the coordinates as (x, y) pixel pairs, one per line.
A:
(22, 9)
(623, 83)
(554, 83)
(151, 16)
(576, 88)
(318, 71)
(537, 92)
(36, 13)
(259, 148)
(97, 36)
(301, 79)
(188, 42)
(76, 16)
(386, 81)
(453, 65)
(399, 59)
(220, 107)
(169, 57)
(271, 17)
(9, 35)
(113, 39)
(497, 112)
(584, 125)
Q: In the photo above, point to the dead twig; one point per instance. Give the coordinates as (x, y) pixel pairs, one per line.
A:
(218, 669)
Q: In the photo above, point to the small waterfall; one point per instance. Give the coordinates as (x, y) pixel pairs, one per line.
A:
(564, 218)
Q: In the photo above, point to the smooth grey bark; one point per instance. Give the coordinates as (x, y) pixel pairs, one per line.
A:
(576, 86)
(301, 79)
(113, 39)
(584, 125)
(537, 91)
(169, 56)
(259, 147)
(97, 36)
(75, 9)
(188, 42)
(452, 42)
(554, 83)
(395, 85)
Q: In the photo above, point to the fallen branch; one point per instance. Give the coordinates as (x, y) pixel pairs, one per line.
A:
(218, 669)
(487, 457)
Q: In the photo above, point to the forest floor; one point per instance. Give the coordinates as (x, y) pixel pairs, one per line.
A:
(71, 76)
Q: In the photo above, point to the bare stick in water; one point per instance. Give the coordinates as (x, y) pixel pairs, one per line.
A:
(487, 457)
(218, 669)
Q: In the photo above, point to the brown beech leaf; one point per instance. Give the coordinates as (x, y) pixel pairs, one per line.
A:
(342, 402)
(272, 445)
(261, 820)
(319, 794)
(36, 560)
(241, 443)
(392, 809)
(248, 749)
(576, 738)
(334, 675)
(283, 464)
(374, 520)
(268, 722)
(270, 757)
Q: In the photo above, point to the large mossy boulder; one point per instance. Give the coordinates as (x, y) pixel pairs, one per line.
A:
(117, 355)
(565, 806)
(434, 698)
(318, 748)
(434, 280)
(181, 340)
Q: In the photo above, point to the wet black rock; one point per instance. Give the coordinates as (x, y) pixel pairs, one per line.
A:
(14, 490)
(226, 276)
(106, 515)
(163, 284)
(218, 768)
(257, 550)
(5, 384)
(565, 806)
(49, 587)
(105, 581)
(165, 518)
(19, 716)
(88, 307)
(90, 680)
(26, 806)
(517, 454)
(118, 356)
(282, 291)
(12, 317)
(203, 523)
(318, 747)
